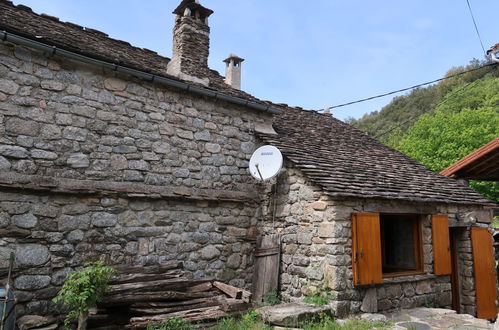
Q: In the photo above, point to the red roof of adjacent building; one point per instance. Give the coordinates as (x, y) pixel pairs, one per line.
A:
(481, 164)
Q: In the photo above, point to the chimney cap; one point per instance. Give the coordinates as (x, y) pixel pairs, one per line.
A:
(234, 57)
(493, 49)
(193, 5)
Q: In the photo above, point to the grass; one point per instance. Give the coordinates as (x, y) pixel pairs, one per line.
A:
(328, 323)
(172, 323)
(249, 321)
(253, 321)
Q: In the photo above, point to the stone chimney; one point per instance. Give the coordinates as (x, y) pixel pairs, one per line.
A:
(191, 43)
(233, 71)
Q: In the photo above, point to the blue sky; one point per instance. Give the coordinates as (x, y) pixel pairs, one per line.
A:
(311, 54)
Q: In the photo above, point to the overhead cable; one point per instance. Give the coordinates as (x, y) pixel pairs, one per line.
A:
(391, 129)
(409, 88)
(476, 26)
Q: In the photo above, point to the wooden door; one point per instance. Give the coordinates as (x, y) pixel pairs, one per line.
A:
(456, 301)
(485, 274)
(266, 271)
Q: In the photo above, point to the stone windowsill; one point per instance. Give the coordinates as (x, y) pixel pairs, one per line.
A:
(408, 278)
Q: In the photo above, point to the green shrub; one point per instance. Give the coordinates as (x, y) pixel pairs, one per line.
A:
(83, 289)
(172, 323)
(271, 298)
(319, 297)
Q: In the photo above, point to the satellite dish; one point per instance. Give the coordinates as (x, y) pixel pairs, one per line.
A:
(265, 163)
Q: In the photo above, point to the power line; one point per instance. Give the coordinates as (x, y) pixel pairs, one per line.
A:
(408, 88)
(476, 26)
(430, 108)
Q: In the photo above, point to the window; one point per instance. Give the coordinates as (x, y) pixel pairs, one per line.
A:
(401, 247)
(387, 245)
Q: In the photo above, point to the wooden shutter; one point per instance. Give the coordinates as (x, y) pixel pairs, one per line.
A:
(441, 244)
(485, 275)
(366, 249)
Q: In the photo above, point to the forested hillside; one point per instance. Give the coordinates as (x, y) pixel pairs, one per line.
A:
(442, 123)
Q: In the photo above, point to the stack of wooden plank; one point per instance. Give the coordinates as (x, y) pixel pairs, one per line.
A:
(140, 295)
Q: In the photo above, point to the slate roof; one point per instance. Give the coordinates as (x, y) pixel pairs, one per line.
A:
(347, 162)
(21, 20)
(334, 155)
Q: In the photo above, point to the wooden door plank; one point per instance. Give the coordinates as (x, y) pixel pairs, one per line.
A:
(485, 275)
(366, 249)
(267, 262)
(456, 299)
(441, 245)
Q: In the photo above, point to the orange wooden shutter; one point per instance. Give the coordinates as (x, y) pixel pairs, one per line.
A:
(485, 275)
(366, 249)
(441, 244)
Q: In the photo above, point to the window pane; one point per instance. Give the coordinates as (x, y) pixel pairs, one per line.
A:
(398, 243)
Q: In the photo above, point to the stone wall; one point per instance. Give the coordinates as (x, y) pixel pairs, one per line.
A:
(96, 165)
(62, 119)
(466, 273)
(52, 234)
(317, 248)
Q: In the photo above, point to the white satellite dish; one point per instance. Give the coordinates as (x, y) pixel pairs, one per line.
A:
(265, 163)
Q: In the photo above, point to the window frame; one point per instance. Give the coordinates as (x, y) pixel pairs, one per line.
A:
(366, 249)
(417, 233)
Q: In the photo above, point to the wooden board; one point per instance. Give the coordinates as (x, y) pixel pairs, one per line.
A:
(485, 274)
(366, 249)
(441, 244)
(233, 292)
(456, 299)
(266, 271)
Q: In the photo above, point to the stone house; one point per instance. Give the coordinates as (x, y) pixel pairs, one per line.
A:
(113, 152)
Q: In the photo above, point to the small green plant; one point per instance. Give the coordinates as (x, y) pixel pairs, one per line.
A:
(272, 298)
(429, 304)
(83, 289)
(495, 222)
(320, 296)
(249, 321)
(172, 323)
(321, 322)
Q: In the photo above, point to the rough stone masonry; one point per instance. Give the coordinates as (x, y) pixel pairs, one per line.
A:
(96, 165)
(316, 232)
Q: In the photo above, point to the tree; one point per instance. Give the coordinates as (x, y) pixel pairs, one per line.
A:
(403, 111)
(83, 289)
(458, 127)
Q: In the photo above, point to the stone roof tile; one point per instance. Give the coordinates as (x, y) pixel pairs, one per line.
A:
(346, 162)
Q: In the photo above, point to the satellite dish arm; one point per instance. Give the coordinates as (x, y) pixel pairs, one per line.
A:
(259, 173)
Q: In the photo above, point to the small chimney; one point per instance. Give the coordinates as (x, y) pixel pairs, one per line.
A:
(233, 71)
(191, 43)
